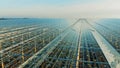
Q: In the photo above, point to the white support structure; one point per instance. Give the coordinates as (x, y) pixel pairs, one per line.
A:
(79, 44)
(49, 47)
(112, 56)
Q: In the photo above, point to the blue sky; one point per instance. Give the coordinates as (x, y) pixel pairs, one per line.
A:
(23, 3)
(59, 8)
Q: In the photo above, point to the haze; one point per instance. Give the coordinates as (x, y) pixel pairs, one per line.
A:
(60, 8)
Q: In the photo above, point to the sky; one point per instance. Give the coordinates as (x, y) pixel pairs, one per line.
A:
(60, 8)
